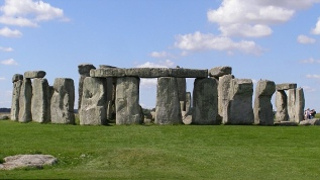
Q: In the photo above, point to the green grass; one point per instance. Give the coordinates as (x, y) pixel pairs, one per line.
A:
(164, 152)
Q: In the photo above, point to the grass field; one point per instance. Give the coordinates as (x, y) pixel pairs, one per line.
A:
(164, 152)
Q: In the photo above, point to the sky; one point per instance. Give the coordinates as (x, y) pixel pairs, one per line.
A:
(277, 40)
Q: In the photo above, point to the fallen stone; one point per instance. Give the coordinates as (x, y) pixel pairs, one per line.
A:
(286, 123)
(286, 86)
(310, 122)
(17, 77)
(4, 117)
(220, 71)
(34, 74)
(22, 161)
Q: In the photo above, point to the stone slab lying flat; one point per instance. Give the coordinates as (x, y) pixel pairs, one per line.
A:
(34, 74)
(20, 161)
(286, 86)
(150, 72)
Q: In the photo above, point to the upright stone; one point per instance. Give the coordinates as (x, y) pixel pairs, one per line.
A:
(94, 104)
(205, 102)
(300, 103)
(111, 92)
(40, 103)
(281, 106)
(84, 71)
(128, 110)
(188, 102)
(62, 101)
(263, 112)
(223, 95)
(182, 87)
(291, 106)
(25, 101)
(168, 105)
(239, 109)
(17, 81)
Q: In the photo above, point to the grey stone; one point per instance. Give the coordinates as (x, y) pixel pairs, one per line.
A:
(34, 74)
(182, 88)
(291, 105)
(187, 120)
(239, 108)
(150, 72)
(106, 66)
(40, 102)
(285, 123)
(25, 101)
(223, 95)
(168, 105)
(263, 111)
(286, 86)
(62, 101)
(188, 101)
(205, 102)
(220, 71)
(128, 110)
(84, 71)
(94, 104)
(15, 100)
(310, 122)
(17, 77)
(4, 117)
(300, 104)
(21, 161)
(281, 106)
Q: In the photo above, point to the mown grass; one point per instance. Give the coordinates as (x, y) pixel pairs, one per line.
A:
(164, 152)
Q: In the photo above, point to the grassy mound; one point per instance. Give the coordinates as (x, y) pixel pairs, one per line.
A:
(164, 152)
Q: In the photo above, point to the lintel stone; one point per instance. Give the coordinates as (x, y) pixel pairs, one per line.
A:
(220, 71)
(34, 74)
(286, 86)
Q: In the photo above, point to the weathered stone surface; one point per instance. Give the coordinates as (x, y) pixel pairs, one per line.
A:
(128, 110)
(239, 109)
(223, 95)
(20, 161)
(106, 66)
(15, 100)
(205, 102)
(300, 104)
(40, 102)
(17, 77)
(150, 72)
(188, 101)
(62, 101)
(4, 117)
(286, 86)
(94, 102)
(34, 74)
(220, 71)
(84, 71)
(285, 123)
(291, 105)
(308, 122)
(182, 90)
(25, 101)
(168, 105)
(281, 106)
(263, 111)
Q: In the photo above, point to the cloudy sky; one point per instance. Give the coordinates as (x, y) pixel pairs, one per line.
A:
(278, 40)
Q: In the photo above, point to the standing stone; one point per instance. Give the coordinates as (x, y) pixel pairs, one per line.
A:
(84, 71)
(223, 95)
(168, 105)
(25, 101)
(291, 106)
(17, 81)
(205, 102)
(111, 83)
(300, 103)
(40, 103)
(281, 105)
(128, 110)
(182, 87)
(62, 101)
(188, 102)
(94, 104)
(263, 112)
(239, 109)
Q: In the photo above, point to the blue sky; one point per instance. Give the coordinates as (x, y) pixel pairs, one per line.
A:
(265, 39)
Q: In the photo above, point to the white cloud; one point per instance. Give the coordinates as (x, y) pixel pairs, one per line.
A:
(162, 54)
(303, 39)
(28, 12)
(2, 78)
(148, 83)
(7, 32)
(161, 64)
(6, 49)
(200, 42)
(9, 62)
(316, 30)
(252, 18)
(308, 89)
(313, 76)
(310, 61)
